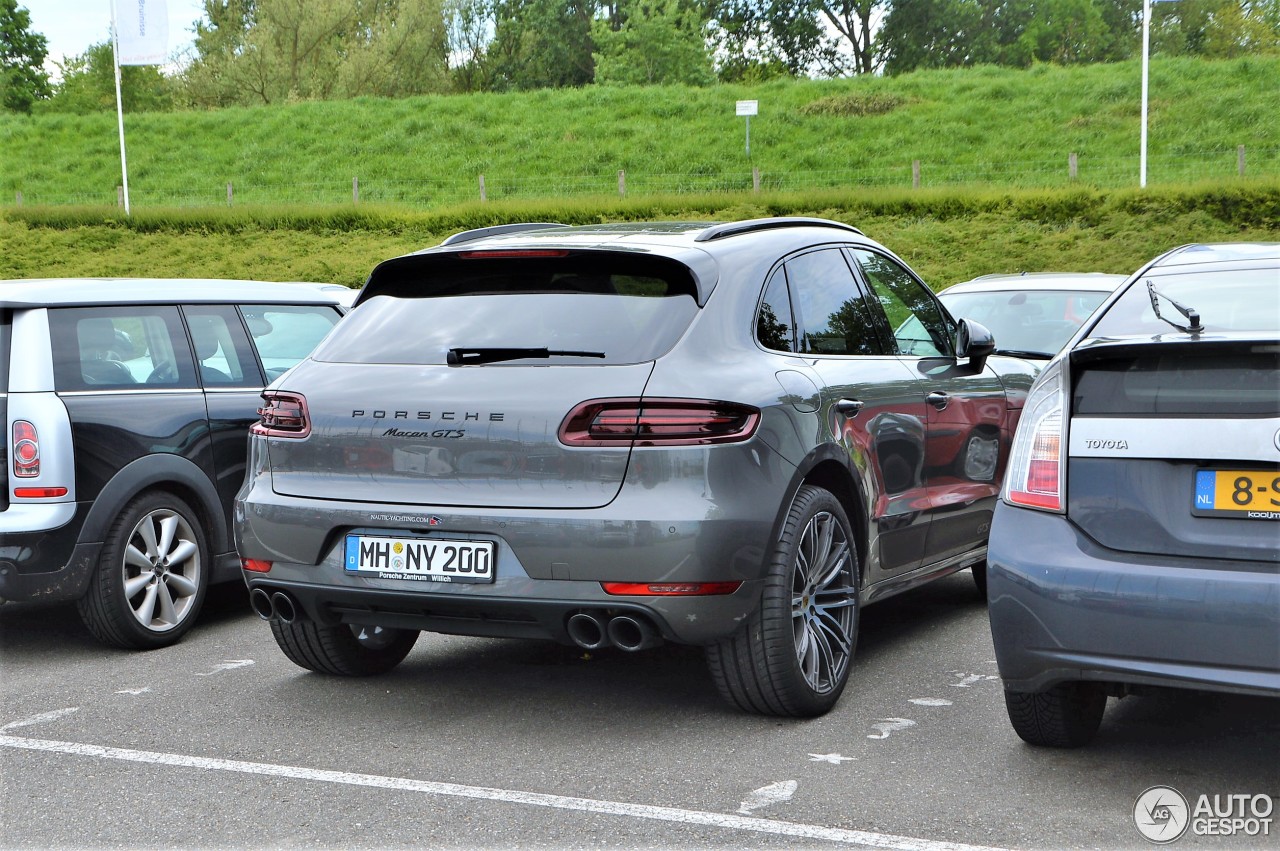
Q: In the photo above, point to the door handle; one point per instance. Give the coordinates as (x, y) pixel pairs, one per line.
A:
(938, 399)
(849, 407)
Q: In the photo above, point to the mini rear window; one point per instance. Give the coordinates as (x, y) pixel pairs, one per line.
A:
(612, 308)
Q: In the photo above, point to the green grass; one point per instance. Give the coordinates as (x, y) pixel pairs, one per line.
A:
(978, 126)
(946, 235)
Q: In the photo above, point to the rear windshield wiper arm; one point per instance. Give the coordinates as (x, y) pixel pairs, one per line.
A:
(475, 357)
(1192, 315)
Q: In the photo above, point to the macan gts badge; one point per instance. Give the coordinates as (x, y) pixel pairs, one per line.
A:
(732, 436)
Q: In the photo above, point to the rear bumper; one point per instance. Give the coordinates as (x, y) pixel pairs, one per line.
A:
(44, 562)
(1063, 607)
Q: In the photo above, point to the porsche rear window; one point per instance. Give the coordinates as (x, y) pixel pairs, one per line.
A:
(602, 309)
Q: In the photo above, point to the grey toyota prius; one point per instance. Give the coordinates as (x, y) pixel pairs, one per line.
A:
(1138, 541)
(726, 435)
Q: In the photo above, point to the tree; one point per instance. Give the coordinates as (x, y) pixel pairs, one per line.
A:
(89, 85)
(852, 19)
(542, 44)
(268, 51)
(655, 42)
(758, 39)
(1216, 28)
(22, 55)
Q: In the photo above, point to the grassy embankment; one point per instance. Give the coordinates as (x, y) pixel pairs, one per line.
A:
(566, 146)
(981, 126)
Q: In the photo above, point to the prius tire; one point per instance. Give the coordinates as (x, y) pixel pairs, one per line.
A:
(1065, 716)
(792, 656)
(344, 650)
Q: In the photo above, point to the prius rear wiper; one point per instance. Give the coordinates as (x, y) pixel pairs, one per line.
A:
(1192, 315)
(475, 357)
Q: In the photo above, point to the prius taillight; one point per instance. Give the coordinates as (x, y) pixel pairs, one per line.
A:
(283, 415)
(658, 422)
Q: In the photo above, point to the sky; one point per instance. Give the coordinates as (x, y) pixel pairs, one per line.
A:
(70, 26)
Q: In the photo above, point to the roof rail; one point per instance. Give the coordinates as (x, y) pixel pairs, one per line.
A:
(498, 230)
(721, 231)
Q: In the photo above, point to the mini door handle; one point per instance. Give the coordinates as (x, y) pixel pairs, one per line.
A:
(849, 407)
(938, 399)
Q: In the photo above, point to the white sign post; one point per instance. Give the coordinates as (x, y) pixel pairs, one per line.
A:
(140, 31)
(748, 108)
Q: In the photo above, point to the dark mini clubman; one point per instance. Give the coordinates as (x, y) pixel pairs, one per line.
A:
(125, 405)
(726, 435)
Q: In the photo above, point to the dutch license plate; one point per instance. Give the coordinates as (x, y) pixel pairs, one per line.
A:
(423, 559)
(1246, 494)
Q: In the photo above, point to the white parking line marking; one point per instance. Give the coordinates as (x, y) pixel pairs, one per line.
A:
(227, 665)
(767, 796)
(134, 691)
(614, 808)
(833, 758)
(890, 725)
(42, 718)
(930, 701)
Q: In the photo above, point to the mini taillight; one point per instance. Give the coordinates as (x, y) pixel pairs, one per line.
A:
(283, 415)
(255, 565)
(39, 493)
(26, 450)
(669, 589)
(1035, 478)
(658, 422)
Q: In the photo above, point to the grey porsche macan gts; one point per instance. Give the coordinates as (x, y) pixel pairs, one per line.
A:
(726, 435)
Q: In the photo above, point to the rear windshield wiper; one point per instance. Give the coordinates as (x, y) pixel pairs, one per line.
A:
(1192, 315)
(474, 357)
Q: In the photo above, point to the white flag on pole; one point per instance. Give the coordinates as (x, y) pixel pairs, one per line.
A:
(142, 27)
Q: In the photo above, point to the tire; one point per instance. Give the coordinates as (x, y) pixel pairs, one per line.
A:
(151, 577)
(343, 650)
(792, 656)
(1065, 716)
(979, 572)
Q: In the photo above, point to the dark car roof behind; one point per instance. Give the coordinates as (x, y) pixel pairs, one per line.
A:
(66, 292)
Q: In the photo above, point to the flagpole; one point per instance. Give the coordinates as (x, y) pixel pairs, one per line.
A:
(115, 55)
(1146, 51)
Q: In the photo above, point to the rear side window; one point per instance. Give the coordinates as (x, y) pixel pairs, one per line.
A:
(614, 308)
(775, 328)
(284, 334)
(114, 348)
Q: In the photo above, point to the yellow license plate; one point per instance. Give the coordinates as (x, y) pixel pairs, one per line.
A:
(1246, 494)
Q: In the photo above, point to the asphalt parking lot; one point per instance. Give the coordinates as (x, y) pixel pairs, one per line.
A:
(221, 742)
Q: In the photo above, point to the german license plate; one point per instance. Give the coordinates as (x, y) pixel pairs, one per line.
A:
(423, 559)
(1245, 494)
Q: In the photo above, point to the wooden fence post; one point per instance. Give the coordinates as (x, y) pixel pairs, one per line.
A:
(755, 179)
(1240, 160)
(1073, 166)
(483, 196)
(915, 174)
(230, 193)
(622, 183)
(355, 190)
(120, 197)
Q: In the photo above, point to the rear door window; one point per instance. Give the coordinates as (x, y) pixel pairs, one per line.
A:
(831, 307)
(224, 357)
(599, 308)
(126, 347)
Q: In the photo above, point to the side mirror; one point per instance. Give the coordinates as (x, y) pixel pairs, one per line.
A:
(974, 341)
